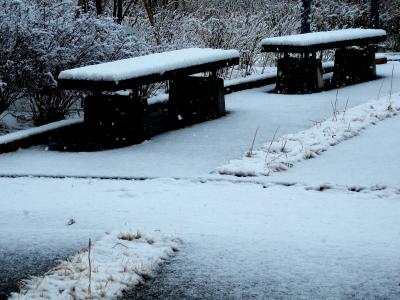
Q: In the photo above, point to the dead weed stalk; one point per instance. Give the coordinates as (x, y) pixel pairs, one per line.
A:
(250, 152)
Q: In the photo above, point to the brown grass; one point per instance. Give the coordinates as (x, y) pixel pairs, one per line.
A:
(130, 236)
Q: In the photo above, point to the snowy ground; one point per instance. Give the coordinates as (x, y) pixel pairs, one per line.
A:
(372, 158)
(104, 269)
(201, 148)
(242, 238)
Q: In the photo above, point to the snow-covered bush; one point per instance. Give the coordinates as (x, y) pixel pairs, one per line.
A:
(330, 15)
(390, 20)
(223, 24)
(40, 38)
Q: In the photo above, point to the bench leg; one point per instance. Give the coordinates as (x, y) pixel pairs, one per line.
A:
(112, 121)
(354, 66)
(195, 99)
(299, 75)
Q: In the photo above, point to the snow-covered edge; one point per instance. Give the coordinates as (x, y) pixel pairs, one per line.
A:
(249, 79)
(119, 261)
(26, 133)
(313, 38)
(287, 150)
(157, 63)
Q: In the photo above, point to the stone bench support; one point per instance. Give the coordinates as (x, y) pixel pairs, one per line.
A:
(354, 65)
(299, 75)
(194, 99)
(114, 120)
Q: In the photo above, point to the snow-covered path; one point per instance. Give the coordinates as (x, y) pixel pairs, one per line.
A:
(199, 149)
(372, 158)
(241, 239)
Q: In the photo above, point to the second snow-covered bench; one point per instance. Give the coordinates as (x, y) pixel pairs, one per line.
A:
(300, 71)
(114, 120)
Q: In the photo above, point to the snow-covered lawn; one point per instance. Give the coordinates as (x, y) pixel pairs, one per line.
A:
(241, 237)
(284, 152)
(372, 158)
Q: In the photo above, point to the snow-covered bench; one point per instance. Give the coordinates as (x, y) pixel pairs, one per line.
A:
(300, 71)
(114, 120)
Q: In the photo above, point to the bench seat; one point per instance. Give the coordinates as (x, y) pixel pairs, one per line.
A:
(317, 41)
(300, 71)
(143, 70)
(114, 119)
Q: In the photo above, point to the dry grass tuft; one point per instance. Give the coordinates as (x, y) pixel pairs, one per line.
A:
(130, 236)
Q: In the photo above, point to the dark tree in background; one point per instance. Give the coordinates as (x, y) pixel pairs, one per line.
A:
(99, 7)
(374, 22)
(306, 16)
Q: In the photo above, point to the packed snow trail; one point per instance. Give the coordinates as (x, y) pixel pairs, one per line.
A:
(372, 158)
(240, 240)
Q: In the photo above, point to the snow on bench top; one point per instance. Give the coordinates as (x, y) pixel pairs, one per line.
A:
(324, 37)
(157, 63)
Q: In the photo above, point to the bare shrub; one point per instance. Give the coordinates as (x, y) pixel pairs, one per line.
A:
(38, 39)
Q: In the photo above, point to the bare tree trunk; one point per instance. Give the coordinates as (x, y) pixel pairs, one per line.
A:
(119, 11)
(306, 16)
(83, 4)
(150, 11)
(374, 18)
(128, 7)
(99, 7)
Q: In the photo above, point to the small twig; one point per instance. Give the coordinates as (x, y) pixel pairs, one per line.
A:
(334, 106)
(270, 145)
(231, 73)
(316, 123)
(380, 89)
(90, 271)
(120, 244)
(4, 114)
(283, 148)
(250, 152)
(57, 268)
(345, 108)
(390, 92)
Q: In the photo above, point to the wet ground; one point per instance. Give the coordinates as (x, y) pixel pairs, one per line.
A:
(233, 274)
(18, 265)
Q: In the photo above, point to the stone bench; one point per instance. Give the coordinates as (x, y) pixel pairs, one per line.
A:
(300, 70)
(118, 119)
